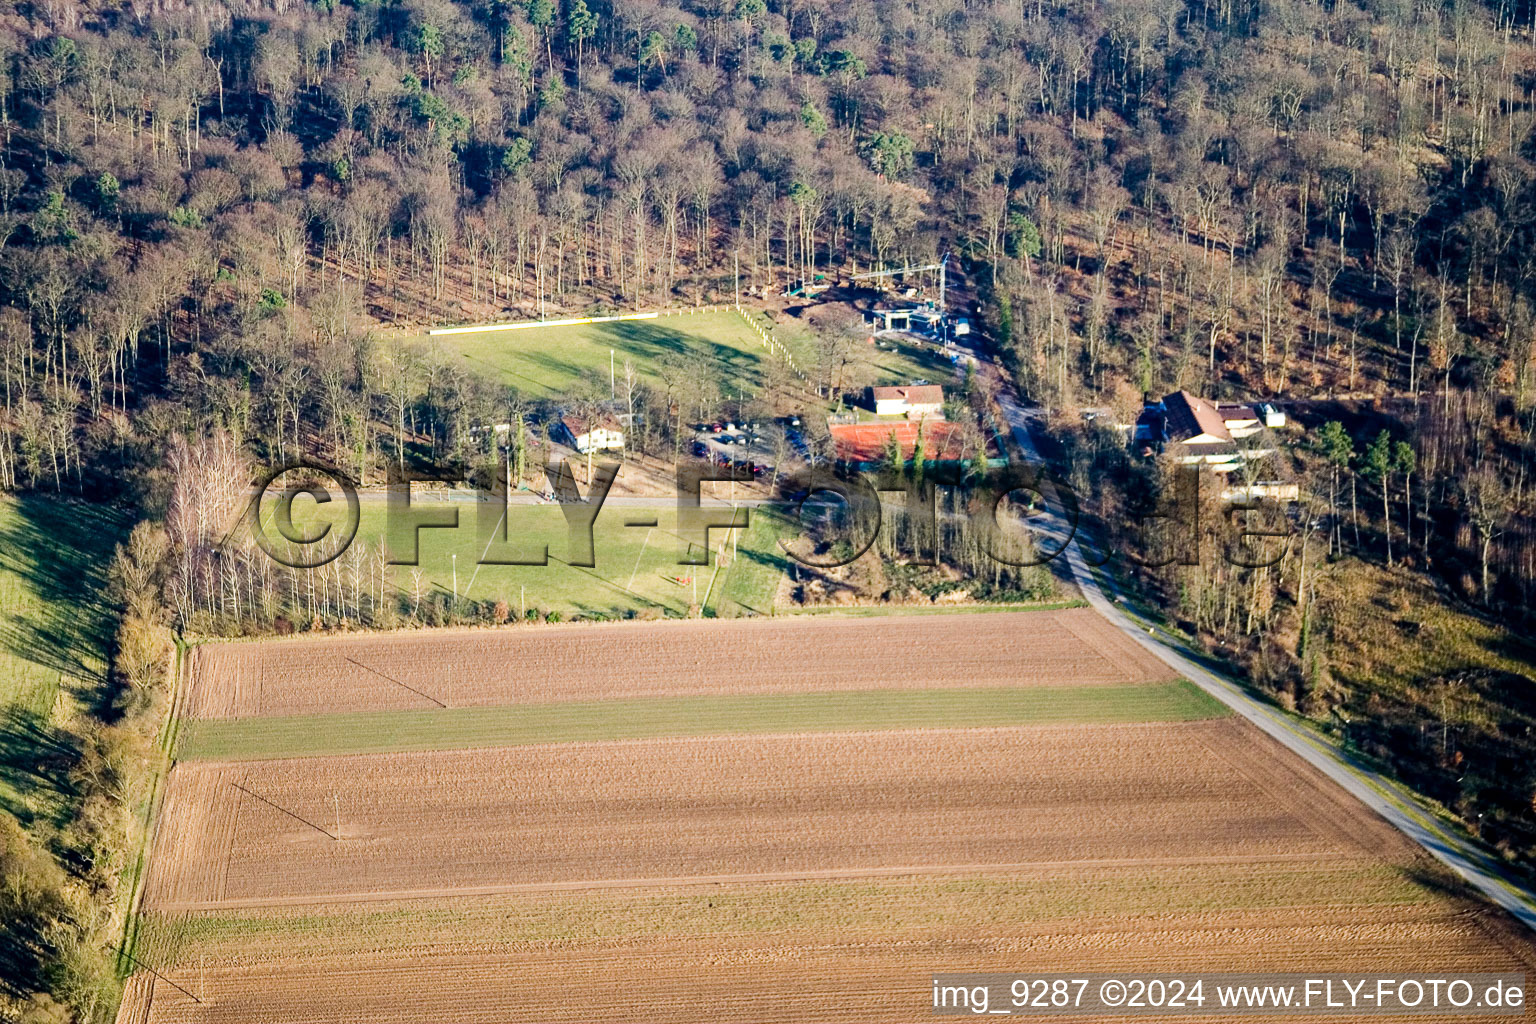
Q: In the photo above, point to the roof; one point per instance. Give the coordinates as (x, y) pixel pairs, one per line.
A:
(912, 394)
(577, 425)
(1189, 417)
(1223, 448)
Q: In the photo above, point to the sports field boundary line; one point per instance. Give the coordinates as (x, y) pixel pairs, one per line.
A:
(522, 325)
(528, 324)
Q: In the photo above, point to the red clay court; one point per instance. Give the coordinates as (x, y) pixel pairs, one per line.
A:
(865, 442)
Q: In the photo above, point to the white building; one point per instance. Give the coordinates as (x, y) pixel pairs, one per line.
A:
(1194, 431)
(591, 437)
(913, 401)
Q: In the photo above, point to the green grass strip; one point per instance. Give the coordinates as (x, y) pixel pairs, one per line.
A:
(371, 732)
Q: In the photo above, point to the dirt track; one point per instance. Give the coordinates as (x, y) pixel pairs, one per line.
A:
(537, 664)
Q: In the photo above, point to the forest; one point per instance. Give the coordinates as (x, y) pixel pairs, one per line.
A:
(220, 220)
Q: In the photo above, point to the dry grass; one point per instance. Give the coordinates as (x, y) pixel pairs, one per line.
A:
(1392, 631)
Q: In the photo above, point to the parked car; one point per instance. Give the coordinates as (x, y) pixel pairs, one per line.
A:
(749, 465)
(700, 449)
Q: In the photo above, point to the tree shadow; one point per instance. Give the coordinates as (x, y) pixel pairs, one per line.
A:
(768, 559)
(26, 951)
(35, 759)
(59, 551)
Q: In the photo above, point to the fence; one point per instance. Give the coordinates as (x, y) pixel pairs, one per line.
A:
(772, 344)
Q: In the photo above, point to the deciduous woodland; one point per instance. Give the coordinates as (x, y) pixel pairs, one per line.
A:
(205, 206)
(222, 222)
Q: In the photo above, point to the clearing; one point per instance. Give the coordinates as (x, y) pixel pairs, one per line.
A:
(550, 362)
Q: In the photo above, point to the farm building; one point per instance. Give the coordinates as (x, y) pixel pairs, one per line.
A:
(898, 319)
(598, 436)
(1194, 431)
(1262, 490)
(913, 401)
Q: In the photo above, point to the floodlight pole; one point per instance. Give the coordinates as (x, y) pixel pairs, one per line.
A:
(613, 388)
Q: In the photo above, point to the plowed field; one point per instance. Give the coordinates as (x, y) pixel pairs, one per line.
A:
(729, 808)
(818, 876)
(662, 659)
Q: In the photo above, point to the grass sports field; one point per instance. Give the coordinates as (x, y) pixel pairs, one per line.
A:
(636, 568)
(550, 362)
(547, 362)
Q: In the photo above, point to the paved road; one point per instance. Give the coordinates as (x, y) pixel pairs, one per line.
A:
(1378, 793)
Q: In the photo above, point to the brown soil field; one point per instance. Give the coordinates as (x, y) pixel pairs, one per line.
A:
(733, 808)
(854, 950)
(791, 877)
(538, 664)
(838, 978)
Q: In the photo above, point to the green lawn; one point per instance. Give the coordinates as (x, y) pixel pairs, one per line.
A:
(545, 362)
(54, 631)
(893, 360)
(636, 568)
(589, 721)
(752, 583)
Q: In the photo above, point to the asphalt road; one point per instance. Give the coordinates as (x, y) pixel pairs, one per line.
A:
(1461, 854)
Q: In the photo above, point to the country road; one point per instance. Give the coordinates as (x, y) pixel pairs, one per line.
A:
(1382, 795)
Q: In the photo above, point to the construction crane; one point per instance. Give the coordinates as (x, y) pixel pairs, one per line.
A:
(939, 266)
